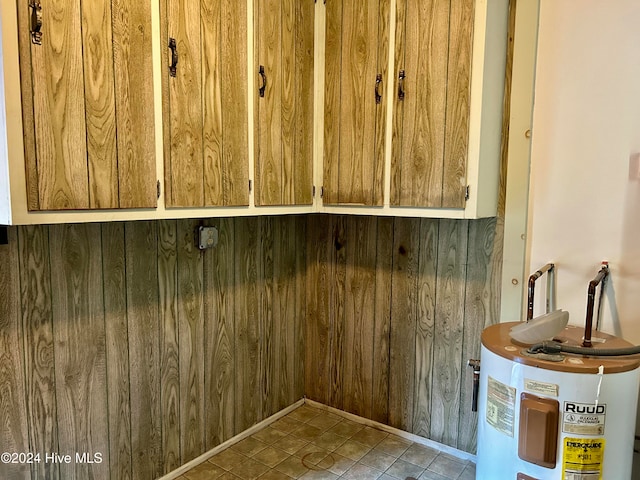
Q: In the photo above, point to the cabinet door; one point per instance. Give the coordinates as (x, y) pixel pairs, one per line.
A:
(88, 104)
(355, 71)
(206, 138)
(431, 106)
(284, 102)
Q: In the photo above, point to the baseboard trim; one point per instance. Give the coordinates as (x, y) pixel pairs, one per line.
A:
(400, 433)
(232, 441)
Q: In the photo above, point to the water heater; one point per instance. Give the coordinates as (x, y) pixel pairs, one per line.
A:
(565, 417)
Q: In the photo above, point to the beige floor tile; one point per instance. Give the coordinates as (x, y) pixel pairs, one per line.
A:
(290, 444)
(304, 413)
(402, 469)
(393, 445)
(269, 435)
(250, 469)
(325, 421)
(270, 456)
(286, 424)
(469, 473)
(428, 475)
(445, 465)
(318, 475)
(329, 441)
(228, 476)
(292, 466)
(274, 475)
(204, 471)
(249, 446)
(361, 472)
(336, 463)
(307, 432)
(227, 459)
(419, 455)
(369, 436)
(311, 453)
(353, 450)
(378, 460)
(346, 428)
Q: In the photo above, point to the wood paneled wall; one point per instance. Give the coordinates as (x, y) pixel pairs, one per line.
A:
(395, 309)
(124, 339)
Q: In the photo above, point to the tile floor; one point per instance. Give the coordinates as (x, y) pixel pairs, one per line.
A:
(312, 443)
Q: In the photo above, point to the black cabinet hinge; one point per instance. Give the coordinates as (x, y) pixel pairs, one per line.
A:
(466, 193)
(158, 188)
(321, 192)
(250, 185)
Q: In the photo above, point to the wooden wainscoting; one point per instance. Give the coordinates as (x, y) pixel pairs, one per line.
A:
(395, 309)
(124, 339)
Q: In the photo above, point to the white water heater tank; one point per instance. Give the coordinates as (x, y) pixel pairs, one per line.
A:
(568, 417)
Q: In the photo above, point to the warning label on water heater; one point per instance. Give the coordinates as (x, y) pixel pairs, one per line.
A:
(501, 406)
(582, 458)
(584, 418)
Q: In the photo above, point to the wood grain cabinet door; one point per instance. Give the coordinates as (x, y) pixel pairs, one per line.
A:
(87, 104)
(431, 102)
(284, 102)
(356, 59)
(205, 107)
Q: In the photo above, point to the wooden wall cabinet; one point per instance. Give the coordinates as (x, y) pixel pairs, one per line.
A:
(87, 104)
(283, 93)
(205, 103)
(356, 62)
(447, 73)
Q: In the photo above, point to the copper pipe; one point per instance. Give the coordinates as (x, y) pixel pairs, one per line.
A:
(591, 296)
(532, 286)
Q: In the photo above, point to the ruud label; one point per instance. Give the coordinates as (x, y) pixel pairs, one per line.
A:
(584, 418)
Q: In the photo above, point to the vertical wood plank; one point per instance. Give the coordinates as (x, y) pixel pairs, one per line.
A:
(100, 106)
(248, 408)
(382, 68)
(448, 335)
(299, 176)
(458, 99)
(426, 320)
(406, 244)
(133, 61)
(336, 309)
(356, 183)
(35, 304)
(480, 292)
(212, 103)
(300, 318)
(233, 57)
(266, 286)
(144, 348)
(13, 402)
(285, 305)
(191, 341)
(318, 316)
(332, 101)
(59, 109)
(186, 106)
(219, 288)
(28, 120)
(382, 320)
(359, 310)
(169, 345)
(417, 162)
(397, 137)
(272, 107)
(117, 338)
(288, 82)
(79, 335)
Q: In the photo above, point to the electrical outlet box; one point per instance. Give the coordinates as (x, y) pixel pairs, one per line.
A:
(207, 237)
